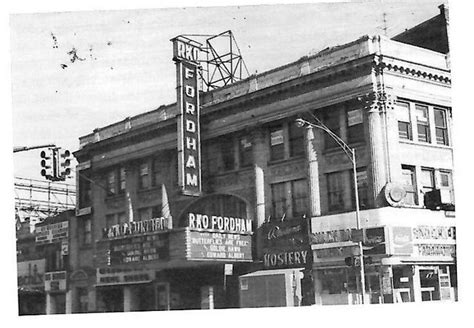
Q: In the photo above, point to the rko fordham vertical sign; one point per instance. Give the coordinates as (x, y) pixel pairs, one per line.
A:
(185, 54)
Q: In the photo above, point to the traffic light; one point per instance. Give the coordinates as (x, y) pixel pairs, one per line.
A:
(48, 163)
(64, 164)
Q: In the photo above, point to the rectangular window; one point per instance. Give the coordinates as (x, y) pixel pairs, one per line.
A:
(331, 120)
(446, 184)
(113, 219)
(53, 258)
(277, 149)
(422, 123)
(278, 200)
(362, 188)
(299, 193)
(427, 180)
(84, 191)
(144, 181)
(87, 232)
(211, 150)
(245, 152)
(122, 217)
(228, 154)
(441, 127)
(143, 214)
(111, 183)
(155, 171)
(110, 220)
(335, 189)
(156, 211)
(402, 111)
(355, 126)
(296, 140)
(123, 177)
(409, 182)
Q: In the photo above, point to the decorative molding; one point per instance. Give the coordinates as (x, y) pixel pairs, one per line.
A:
(412, 70)
(376, 101)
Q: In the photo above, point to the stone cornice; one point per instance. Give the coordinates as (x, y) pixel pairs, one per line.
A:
(324, 76)
(397, 66)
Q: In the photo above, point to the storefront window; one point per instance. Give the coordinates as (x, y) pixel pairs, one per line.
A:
(110, 299)
(429, 285)
(82, 300)
(338, 281)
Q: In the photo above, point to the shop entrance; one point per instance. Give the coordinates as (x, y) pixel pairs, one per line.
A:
(110, 299)
(436, 283)
(163, 297)
(414, 283)
(429, 283)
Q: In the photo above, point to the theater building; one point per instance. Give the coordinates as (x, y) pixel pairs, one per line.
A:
(174, 205)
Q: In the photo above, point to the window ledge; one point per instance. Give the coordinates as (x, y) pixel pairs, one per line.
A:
(114, 197)
(224, 173)
(410, 206)
(285, 160)
(335, 149)
(149, 189)
(425, 144)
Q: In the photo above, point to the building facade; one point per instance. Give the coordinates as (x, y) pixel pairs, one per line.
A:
(44, 264)
(277, 199)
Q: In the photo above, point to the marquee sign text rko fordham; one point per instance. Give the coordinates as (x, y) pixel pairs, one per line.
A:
(189, 143)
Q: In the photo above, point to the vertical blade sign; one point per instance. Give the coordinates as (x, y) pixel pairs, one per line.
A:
(189, 143)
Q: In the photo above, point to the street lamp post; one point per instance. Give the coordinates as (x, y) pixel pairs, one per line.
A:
(350, 153)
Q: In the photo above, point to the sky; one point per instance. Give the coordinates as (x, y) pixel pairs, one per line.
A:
(75, 71)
